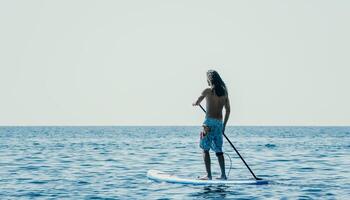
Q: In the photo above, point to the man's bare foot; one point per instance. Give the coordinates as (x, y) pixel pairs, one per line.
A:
(221, 178)
(204, 178)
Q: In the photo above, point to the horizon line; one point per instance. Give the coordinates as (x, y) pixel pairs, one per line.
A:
(169, 125)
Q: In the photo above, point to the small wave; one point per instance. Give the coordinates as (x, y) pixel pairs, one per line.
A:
(30, 167)
(148, 148)
(110, 160)
(38, 182)
(270, 145)
(306, 169)
(317, 190)
(34, 194)
(83, 182)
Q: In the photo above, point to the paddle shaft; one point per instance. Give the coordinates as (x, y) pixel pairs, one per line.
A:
(256, 178)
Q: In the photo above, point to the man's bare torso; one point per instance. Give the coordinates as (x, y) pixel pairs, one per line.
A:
(215, 104)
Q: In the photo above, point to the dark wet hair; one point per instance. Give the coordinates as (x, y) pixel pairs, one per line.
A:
(217, 83)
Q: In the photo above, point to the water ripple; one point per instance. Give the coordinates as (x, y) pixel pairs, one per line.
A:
(111, 162)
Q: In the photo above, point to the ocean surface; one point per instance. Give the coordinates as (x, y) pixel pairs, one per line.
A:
(112, 162)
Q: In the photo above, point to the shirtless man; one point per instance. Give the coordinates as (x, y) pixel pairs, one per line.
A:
(213, 128)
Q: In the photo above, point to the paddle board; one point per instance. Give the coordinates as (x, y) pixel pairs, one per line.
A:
(166, 177)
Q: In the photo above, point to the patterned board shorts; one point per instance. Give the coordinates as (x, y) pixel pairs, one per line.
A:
(212, 140)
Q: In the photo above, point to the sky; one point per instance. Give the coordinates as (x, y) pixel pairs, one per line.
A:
(86, 62)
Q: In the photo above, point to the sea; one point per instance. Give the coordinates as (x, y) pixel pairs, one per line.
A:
(111, 162)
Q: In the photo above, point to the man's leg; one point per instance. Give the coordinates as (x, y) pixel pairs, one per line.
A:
(206, 157)
(221, 160)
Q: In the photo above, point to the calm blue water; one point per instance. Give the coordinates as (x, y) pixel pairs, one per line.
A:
(111, 162)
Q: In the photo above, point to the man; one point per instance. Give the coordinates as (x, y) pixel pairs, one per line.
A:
(213, 128)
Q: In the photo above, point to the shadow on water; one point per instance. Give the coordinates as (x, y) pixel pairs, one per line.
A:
(210, 192)
(227, 192)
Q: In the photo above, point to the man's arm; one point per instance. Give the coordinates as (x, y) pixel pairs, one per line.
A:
(227, 112)
(201, 97)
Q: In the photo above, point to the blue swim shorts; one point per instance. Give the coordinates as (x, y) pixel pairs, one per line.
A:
(213, 140)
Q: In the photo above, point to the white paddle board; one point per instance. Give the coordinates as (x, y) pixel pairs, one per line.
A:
(165, 177)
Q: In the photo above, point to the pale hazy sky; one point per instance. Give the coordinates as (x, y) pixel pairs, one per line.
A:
(86, 62)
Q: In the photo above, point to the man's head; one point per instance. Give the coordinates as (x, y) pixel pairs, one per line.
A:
(212, 75)
(215, 81)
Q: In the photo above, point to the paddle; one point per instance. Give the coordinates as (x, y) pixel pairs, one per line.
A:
(256, 178)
